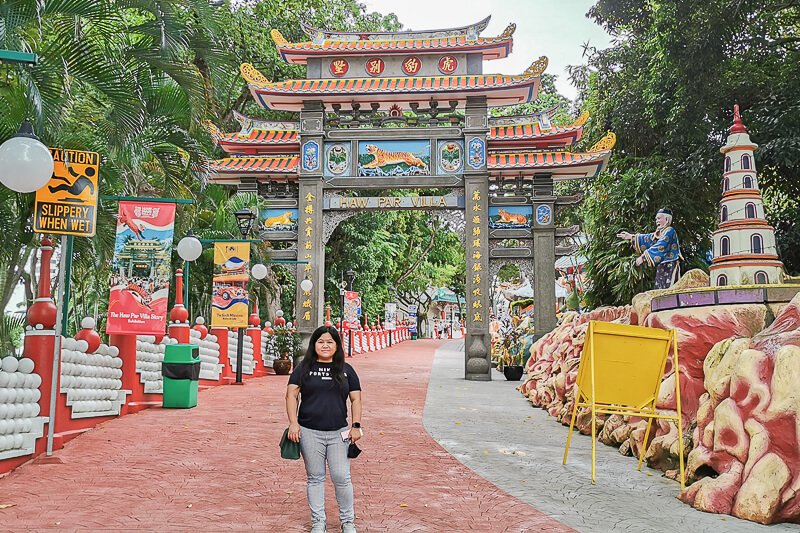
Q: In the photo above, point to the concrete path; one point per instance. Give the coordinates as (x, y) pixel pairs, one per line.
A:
(217, 467)
(492, 429)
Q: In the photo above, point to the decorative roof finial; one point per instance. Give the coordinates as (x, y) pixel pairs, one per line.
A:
(737, 127)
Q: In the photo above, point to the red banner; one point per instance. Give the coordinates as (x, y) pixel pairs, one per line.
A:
(352, 310)
(140, 283)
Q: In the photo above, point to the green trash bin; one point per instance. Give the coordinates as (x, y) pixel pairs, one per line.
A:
(181, 370)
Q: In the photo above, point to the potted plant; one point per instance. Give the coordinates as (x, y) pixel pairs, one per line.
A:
(287, 343)
(511, 361)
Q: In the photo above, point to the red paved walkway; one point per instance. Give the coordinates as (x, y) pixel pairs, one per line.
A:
(217, 467)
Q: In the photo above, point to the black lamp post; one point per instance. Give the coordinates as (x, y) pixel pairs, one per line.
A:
(244, 219)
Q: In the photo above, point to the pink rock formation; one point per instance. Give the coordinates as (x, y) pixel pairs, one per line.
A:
(699, 329)
(739, 381)
(746, 456)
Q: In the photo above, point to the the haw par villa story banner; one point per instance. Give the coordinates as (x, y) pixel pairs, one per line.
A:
(229, 300)
(140, 282)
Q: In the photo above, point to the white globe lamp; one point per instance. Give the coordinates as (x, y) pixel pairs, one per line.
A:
(190, 247)
(26, 165)
(306, 285)
(259, 271)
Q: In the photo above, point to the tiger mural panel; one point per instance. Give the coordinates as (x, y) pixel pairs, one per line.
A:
(394, 158)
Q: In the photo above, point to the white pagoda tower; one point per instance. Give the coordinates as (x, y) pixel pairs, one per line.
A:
(744, 244)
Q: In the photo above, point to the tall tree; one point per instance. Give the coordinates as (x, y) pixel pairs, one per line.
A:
(667, 87)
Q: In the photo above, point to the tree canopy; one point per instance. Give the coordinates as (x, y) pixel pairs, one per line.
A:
(667, 86)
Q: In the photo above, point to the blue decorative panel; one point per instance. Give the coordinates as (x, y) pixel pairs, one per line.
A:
(544, 215)
(280, 219)
(451, 157)
(310, 156)
(394, 158)
(337, 159)
(477, 153)
(511, 217)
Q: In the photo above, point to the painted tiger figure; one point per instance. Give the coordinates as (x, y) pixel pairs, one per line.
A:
(512, 218)
(383, 158)
(282, 220)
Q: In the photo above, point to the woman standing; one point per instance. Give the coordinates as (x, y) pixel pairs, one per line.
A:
(324, 382)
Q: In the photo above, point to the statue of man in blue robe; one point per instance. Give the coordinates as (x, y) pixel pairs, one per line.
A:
(659, 249)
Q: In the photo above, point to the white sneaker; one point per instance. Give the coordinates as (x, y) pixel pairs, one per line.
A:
(318, 527)
(348, 527)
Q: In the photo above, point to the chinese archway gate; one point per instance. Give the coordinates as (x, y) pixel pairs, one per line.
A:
(410, 110)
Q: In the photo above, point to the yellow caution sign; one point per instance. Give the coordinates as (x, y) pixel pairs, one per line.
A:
(620, 372)
(67, 205)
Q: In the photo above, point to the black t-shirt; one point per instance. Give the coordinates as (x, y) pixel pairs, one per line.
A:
(323, 404)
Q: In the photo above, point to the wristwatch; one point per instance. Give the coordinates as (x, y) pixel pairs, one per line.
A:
(357, 425)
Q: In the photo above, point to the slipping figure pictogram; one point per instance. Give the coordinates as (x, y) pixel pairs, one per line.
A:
(77, 187)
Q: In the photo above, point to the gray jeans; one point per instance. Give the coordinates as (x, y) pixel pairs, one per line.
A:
(317, 447)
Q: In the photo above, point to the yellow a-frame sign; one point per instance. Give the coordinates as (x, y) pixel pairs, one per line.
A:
(620, 373)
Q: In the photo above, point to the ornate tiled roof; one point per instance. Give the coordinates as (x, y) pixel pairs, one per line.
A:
(499, 90)
(388, 44)
(238, 166)
(536, 134)
(490, 48)
(563, 165)
(248, 124)
(261, 137)
(256, 136)
(521, 120)
(471, 31)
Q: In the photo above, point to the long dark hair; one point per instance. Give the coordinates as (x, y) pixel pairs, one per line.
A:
(337, 366)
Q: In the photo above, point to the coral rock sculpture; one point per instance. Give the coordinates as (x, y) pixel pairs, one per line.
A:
(746, 456)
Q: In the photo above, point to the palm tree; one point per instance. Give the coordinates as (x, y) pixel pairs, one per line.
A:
(115, 77)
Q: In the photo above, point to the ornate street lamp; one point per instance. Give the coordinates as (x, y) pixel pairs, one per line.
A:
(26, 165)
(189, 249)
(351, 275)
(244, 219)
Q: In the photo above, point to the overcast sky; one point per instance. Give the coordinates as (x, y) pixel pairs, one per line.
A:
(556, 29)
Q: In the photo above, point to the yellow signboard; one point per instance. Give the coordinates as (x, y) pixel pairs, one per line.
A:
(229, 299)
(67, 205)
(620, 372)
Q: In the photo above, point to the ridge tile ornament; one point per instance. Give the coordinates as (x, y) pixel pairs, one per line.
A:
(310, 156)
(477, 153)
